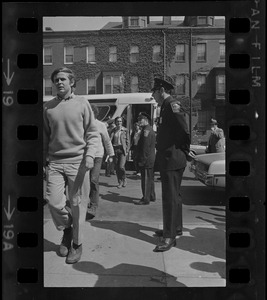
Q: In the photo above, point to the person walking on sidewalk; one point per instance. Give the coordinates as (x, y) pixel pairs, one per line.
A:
(110, 167)
(173, 148)
(145, 159)
(121, 142)
(70, 143)
(104, 142)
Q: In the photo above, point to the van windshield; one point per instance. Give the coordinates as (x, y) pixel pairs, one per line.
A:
(106, 112)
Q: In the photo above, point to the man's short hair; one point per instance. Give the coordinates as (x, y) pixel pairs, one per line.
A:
(68, 71)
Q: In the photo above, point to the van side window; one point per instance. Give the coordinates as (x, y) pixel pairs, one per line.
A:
(106, 112)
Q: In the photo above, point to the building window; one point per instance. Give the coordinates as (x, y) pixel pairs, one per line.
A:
(47, 55)
(134, 21)
(112, 54)
(90, 54)
(201, 52)
(180, 52)
(220, 85)
(68, 55)
(134, 84)
(202, 20)
(91, 86)
(134, 54)
(201, 83)
(180, 85)
(222, 51)
(48, 87)
(112, 84)
(156, 53)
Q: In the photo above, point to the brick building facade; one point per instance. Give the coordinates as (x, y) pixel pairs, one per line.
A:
(125, 57)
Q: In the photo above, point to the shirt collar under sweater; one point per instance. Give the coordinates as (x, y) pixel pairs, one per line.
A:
(65, 99)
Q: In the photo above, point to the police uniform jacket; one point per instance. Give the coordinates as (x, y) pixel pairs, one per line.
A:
(173, 139)
(146, 148)
(216, 141)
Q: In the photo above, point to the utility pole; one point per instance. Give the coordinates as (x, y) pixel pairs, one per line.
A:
(164, 55)
(190, 84)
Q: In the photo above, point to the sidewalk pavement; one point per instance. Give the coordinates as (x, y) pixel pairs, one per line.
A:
(119, 243)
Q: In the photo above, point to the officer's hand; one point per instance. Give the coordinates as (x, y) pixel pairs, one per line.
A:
(89, 163)
(191, 155)
(110, 159)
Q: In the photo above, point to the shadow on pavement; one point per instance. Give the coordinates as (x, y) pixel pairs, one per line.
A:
(49, 246)
(128, 229)
(145, 275)
(202, 195)
(204, 241)
(214, 267)
(116, 197)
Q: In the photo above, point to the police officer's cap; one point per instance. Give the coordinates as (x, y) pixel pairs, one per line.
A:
(143, 115)
(158, 83)
(213, 122)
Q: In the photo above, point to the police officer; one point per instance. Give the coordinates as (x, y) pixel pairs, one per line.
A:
(145, 159)
(173, 150)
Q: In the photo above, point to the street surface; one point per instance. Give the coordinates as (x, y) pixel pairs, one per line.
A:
(119, 242)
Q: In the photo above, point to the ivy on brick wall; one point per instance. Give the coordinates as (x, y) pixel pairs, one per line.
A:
(145, 68)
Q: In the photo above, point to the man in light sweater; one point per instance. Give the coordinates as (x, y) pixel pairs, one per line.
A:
(103, 142)
(70, 143)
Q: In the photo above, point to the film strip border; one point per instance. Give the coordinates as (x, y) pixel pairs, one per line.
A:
(22, 148)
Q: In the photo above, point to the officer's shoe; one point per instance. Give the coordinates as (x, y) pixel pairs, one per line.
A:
(65, 243)
(141, 202)
(160, 233)
(75, 254)
(165, 245)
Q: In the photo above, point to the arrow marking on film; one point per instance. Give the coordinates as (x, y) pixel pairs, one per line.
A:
(8, 77)
(7, 212)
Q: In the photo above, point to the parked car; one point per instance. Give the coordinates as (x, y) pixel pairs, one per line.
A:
(209, 169)
(198, 149)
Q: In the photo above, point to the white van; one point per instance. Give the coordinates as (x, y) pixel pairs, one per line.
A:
(126, 105)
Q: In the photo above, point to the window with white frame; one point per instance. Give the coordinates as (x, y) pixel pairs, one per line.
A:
(134, 84)
(91, 85)
(222, 51)
(90, 54)
(134, 21)
(180, 84)
(180, 52)
(201, 83)
(69, 55)
(48, 90)
(156, 53)
(201, 52)
(134, 54)
(112, 84)
(220, 84)
(47, 55)
(112, 54)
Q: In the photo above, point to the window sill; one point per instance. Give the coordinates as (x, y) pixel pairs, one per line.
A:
(47, 64)
(68, 63)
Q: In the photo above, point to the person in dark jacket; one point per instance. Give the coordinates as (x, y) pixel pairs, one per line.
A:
(145, 159)
(173, 150)
(216, 141)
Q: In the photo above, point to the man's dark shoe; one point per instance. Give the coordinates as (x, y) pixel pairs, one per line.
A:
(141, 203)
(165, 245)
(91, 212)
(65, 243)
(74, 255)
(160, 233)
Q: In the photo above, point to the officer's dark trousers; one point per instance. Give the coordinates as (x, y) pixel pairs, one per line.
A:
(171, 202)
(147, 184)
